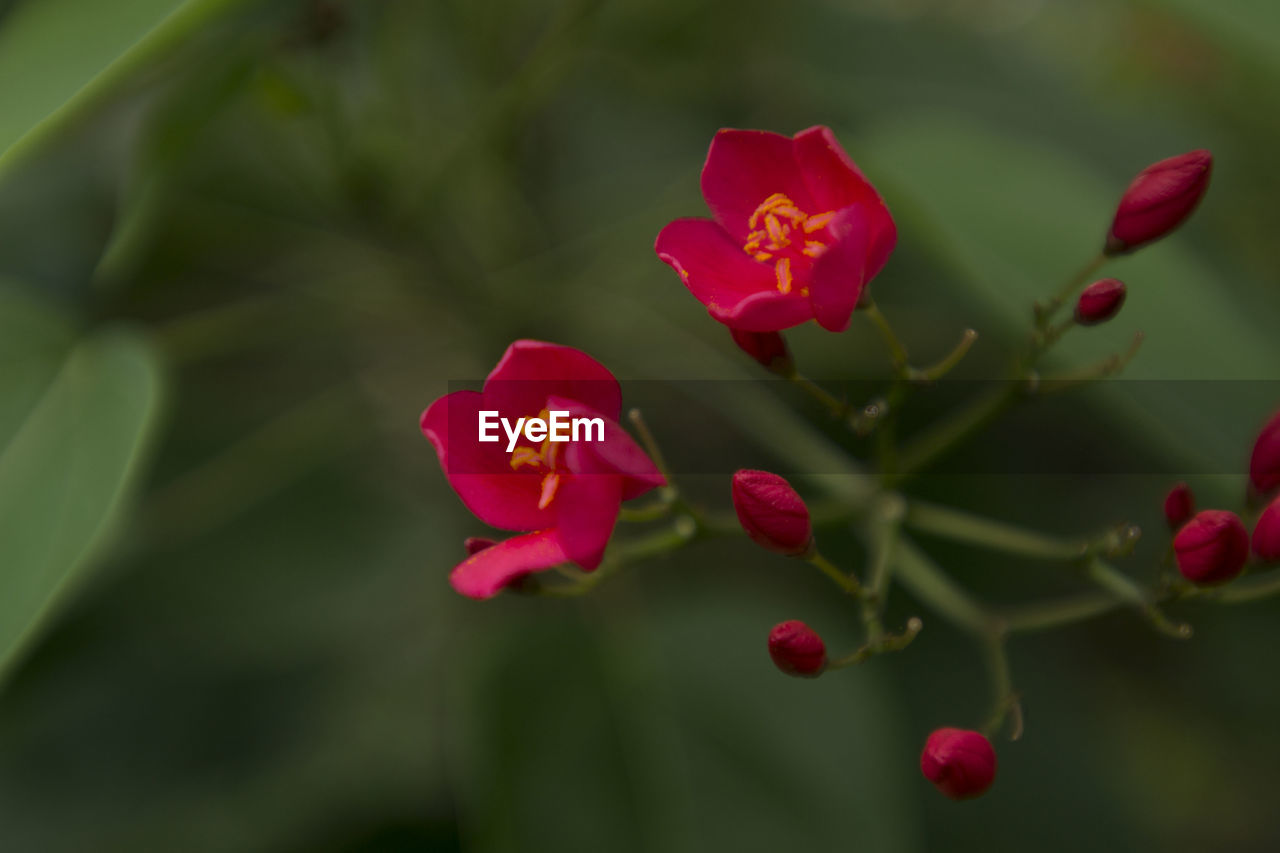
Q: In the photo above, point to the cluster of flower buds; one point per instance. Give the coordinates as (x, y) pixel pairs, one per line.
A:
(1213, 546)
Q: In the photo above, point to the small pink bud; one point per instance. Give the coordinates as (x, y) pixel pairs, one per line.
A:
(1100, 301)
(1212, 547)
(1264, 464)
(1179, 504)
(797, 649)
(1159, 200)
(768, 348)
(959, 762)
(476, 544)
(772, 513)
(1266, 533)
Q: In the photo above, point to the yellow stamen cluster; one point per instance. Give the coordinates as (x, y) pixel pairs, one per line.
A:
(775, 226)
(543, 456)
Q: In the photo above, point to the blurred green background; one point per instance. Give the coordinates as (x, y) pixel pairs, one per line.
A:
(244, 243)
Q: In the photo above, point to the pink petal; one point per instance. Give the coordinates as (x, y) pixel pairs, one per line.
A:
(715, 269)
(531, 371)
(486, 573)
(586, 509)
(766, 311)
(841, 273)
(745, 167)
(480, 472)
(835, 183)
(616, 454)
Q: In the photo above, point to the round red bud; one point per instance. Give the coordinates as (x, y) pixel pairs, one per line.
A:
(797, 649)
(1212, 547)
(476, 544)
(1100, 301)
(1179, 505)
(1264, 464)
(961, 763)
(772, 513)
(767, 348)
(1160, 198)
(1266, 533)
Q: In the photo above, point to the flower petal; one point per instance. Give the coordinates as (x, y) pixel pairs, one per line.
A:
(766, 311)
(715, 269)
(586, 509)
(531, 371)
(618, 453)
(486, 573)
(480, 472)
(835, 182)
(841, 273)
(745, 167)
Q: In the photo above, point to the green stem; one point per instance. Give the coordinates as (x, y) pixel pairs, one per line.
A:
(897, 351)
(655, 453)
(929, 445)
(886, 643)
(960, 526)
(936, 590)
(1040, 616)
(1005, 698)
(948, 362)
(845, 581)
(1125, 590)
(1045, 313)
(1248, 589)
(860, 421)
(884, 530)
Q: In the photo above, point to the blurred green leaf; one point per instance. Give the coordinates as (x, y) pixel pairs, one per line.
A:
(1014, 219)
(678, 739)
(65, 469)
(56, 56)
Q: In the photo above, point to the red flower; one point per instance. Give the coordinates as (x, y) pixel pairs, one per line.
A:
(1266, 533)
(1179, 504)
(1264, 463)
(1212, 547)
(1100, 301)
(797, 649)
(798, 232)
(772, 513)
(960, 762)
(567, 493)
(1160, 198)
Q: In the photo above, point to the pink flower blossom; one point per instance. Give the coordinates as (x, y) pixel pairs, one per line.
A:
(566, 495)
(798, 232)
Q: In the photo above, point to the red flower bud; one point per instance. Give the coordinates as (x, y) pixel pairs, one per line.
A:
(960, 762)
(476, 544)
(1179, 504)
(772, 513)
(797, 649)
(1212, 547)
(1266, 533)
(1100, 301)
(768, 348)
(1158, 200)
(1264, 464)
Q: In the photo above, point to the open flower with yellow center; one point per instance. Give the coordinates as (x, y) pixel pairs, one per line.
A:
(565, 495)
(798, 232)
